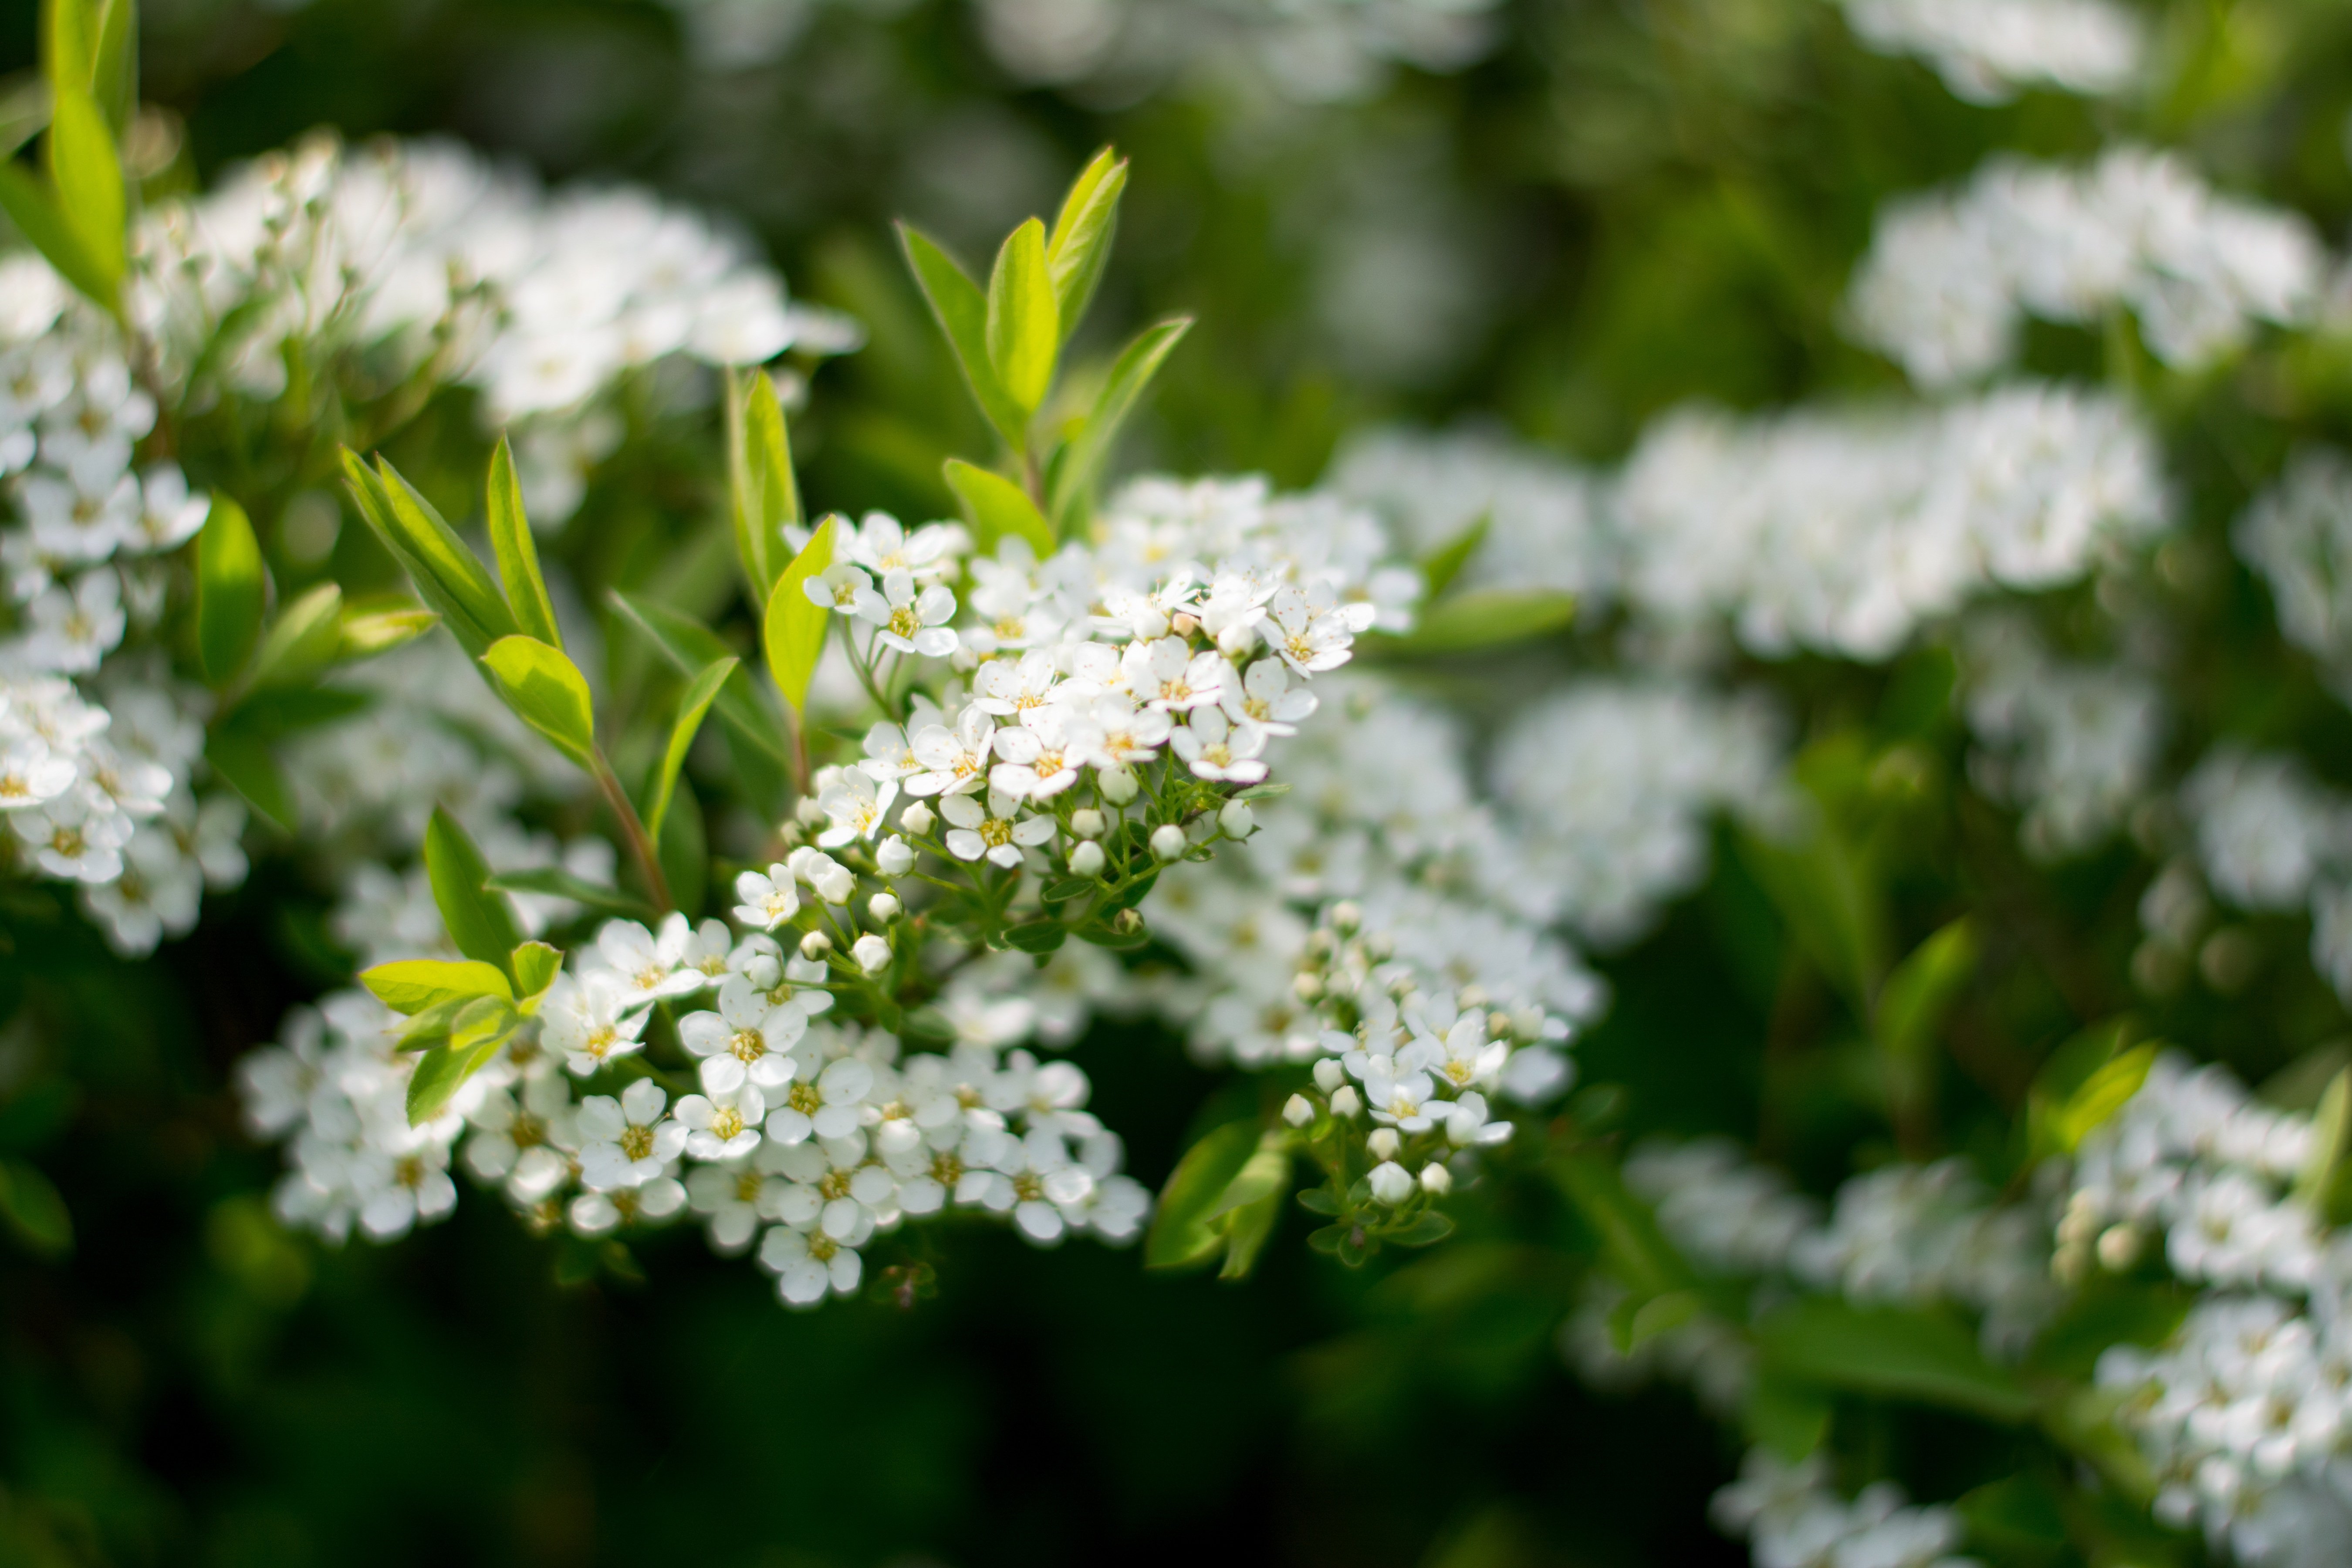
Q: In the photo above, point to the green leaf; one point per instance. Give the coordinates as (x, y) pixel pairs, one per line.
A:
(518, 556)
(1023, 324)
(547, 692)
(303, 638)
(1635, 1249)
(1182, 1234)
(1444, 563)
(1247, 1230)
(446, 573)
(229, 591)
(1790, 1419)
(1430, 1226)
(1081, 240)
(38, 218)
(245, 762)
(961, 311)
(1922, 988)
(365, 633)
(1479, 620)
(763, 494)
(2101, 1095)
(1038, 936)
(475, 1036)
(1263, 792)
(1069, 888)
(534, 965)
(410, 986)
(793, 631)
(997, 507)
(684, 852)
(481, 922)
(87, 174)
(691, 646)
(1081, 467)
(36, 1214)
(2331, 1128)
(1892, 1354)
(692, 704)
(114, 63)
(550, 883)
(1828, 891)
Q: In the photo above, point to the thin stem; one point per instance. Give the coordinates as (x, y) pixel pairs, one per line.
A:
(632, 828)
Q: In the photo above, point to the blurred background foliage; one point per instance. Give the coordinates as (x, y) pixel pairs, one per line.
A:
(1624, 204)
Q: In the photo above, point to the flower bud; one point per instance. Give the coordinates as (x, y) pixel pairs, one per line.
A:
(1168, 841)
(1086, 859)
(1183, 622)
(1347, 917)
(918, 819)
(1391, 1183)
(1127, 923)
(832, 880)
(1329, 1074)
(883, 907)
(1117, 784)
(815, 945)
(809, 812)
(1298, 1111)
(1436, 1179)
(1237, 820)
(1346, 1101)
(873, 954)
(1087, 822)
(1307, 984)
(1384, 1143)
(2119, 1247)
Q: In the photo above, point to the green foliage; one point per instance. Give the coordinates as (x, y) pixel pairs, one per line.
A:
(763, 495)
(480, 920)
(229, 591)
(793, 631)
(547, 692)
(692, 705)
(998, 508)
(518, 556)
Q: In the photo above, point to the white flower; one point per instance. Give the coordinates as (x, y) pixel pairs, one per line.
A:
(1120, 735)
(1168, 676)
(723, 1125)
(1041, 756)
(1266, 699)
(73, 630)
(1311, 631)
(1399, 1102)
(895, 856)
(168, 515)
(825, 1103)
(1216, 749)
(954, 761)
(837, 587)
(627, 1142)
(832, 880)
(808, 1264)
(748, 1037)
(1391, 1183)
(590, 1020)
(1017, 691)
(73, 839)
(911, 622)
(857, 806)
(647, 967)
(766, 900)
(880, 545)
(31, 774)
(999, 833)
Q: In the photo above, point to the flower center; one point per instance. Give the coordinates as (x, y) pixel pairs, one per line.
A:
(747, 1186)
(725, 1124)
(835, 1184)
(903, 622)
(995, 832)
(804, 1098)
(637, 1142)
(748, 1045)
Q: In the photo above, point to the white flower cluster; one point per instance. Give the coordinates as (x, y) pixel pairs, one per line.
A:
(2243, 1414)
(1793, 1517)
(96, 773)
(2298, 536)
(1840, 532)
(1950, 278)
(422, 258)
(823, 1133)
(1310, 51)
(1987, 50)
(1835, 531)
(2073, 745)
(1609, 785)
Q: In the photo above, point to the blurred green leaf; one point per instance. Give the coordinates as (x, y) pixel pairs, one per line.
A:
(1082, 461)
(481, 922)
(692, 704)
(245, 763)
(1476, 621)
(302, 639)
(229, 591)
(1081, 240)
(690, 648)
(763, 494)
(36, 1214)
(1921, 990)
(996, 508)
(1024, 324)
(793, 631)
(517, 554)
(1183, 1233)
(961, 311)
(364, 633)
(551, 883)
(546, 691)
(1441, 565)
(1892, 1354)
(86, 175)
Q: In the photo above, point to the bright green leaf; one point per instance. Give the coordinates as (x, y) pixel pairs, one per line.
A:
(763, 494)
(86, 175)
(1023, 324)
(35, 212)
(444, 572)
(1479, 620)
(2101, 1096)
(548, 882)
(547, 692)
(691, 646)
(229, 591)
(518, 555)
(1181, 1233)
(692, 704)
(410, 986)
(365, 633)
(961, 311)
(1081, 240)
(997, 507)
(2331, 1128)
(475, 1036)
(303, 638)
(1890, 1352)
(114, 63)
(793, 631)
(481, 922)
(1081, 467)
(534, 965)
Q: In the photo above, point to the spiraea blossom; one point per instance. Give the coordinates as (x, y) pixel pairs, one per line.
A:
(1987, 50)
(1951, 277)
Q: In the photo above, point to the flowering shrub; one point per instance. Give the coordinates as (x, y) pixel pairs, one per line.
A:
(1824, 908)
